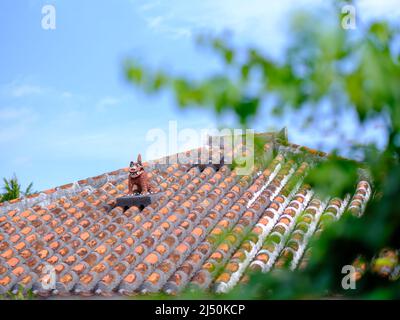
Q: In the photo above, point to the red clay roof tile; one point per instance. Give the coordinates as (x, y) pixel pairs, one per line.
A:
(208, 228)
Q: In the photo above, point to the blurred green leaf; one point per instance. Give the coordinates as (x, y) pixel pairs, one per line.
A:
(357, 71)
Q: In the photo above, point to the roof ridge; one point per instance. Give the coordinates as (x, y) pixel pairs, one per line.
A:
(45, 197)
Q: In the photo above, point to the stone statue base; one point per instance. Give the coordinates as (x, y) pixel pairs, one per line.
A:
(139, 200)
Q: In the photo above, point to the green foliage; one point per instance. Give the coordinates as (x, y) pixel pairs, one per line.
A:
(12, 189)
(21, 294)
(335, 177)
(346, 70)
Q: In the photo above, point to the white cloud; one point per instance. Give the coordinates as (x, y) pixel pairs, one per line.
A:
(370, 9)
(26, 86)
(25, 90)
(165, 24)
(107, 102)
(257, 20)
(15, 123)
(110, 143)
(149, 6)
(9, 113)
(238, 15)
(22, 87)
(66, 94)
(154, 22)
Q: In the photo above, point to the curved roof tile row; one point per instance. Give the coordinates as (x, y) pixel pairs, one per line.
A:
(208, 229)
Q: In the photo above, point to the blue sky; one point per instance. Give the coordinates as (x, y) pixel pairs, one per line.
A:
(66, 110)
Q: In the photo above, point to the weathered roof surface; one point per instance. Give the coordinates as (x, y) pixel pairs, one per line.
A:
(209, 228)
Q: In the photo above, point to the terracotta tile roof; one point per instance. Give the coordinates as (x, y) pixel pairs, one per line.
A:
(208, 229)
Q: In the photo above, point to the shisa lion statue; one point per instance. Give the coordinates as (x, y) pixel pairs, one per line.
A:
(138, 180)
